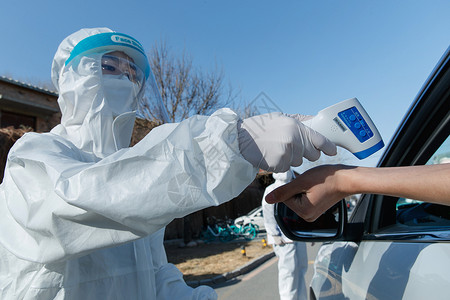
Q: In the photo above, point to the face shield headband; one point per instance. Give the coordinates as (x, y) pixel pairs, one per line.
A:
(150, 104)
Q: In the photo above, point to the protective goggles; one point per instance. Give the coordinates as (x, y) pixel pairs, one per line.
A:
(122, 68)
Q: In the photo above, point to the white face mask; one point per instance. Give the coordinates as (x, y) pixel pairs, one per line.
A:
(120, 93)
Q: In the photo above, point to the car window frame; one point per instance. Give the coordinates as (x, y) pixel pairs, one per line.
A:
(424, 128)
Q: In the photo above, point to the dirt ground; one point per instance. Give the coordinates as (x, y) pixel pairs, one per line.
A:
(206, 261)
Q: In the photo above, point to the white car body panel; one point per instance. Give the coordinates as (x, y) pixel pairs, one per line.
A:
(376, 270)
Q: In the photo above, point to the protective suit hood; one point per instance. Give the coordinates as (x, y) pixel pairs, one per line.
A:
(98, 112)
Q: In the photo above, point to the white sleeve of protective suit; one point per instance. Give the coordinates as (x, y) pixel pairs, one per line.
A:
(57, 202)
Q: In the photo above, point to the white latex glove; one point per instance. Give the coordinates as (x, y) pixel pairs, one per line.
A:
(277, 240)
(274, 142)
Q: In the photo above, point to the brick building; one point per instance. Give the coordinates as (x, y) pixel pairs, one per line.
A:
(24, 107)
(27, 105)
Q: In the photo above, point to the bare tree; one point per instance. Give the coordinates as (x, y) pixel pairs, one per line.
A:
(185, 89)
(246, 110)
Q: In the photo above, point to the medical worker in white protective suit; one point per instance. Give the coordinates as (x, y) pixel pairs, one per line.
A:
(82, 214)
(292, 256)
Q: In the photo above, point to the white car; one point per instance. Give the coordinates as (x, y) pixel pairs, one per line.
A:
(390, 248)
(255, 217)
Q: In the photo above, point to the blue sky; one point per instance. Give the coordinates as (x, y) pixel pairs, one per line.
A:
(305, 55)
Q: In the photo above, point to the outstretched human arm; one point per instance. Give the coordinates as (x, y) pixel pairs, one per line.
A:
(316, 190)
(57, 197)
(58, 202)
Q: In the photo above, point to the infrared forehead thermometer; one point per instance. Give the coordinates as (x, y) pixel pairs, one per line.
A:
(348, 125)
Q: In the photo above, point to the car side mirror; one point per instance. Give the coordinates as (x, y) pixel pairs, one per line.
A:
(329, 226)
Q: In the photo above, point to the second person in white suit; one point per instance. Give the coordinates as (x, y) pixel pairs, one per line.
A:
(292, 256)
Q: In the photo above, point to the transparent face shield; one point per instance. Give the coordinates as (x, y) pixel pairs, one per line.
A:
(151, 105)
(119, 67)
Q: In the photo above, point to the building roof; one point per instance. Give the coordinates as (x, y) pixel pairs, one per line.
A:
(29, 86)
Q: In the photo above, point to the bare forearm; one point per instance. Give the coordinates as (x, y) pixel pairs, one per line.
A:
(429, 183)
(316, 190)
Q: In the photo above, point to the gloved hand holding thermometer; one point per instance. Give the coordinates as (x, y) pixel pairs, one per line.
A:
(276, 141)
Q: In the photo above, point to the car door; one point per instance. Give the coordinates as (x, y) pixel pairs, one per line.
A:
(390, 248)
(396, 248)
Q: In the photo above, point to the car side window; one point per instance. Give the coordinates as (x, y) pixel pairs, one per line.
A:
(413, 212)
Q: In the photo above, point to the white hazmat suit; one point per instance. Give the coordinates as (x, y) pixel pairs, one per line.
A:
(83, 214)
(292, 256)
